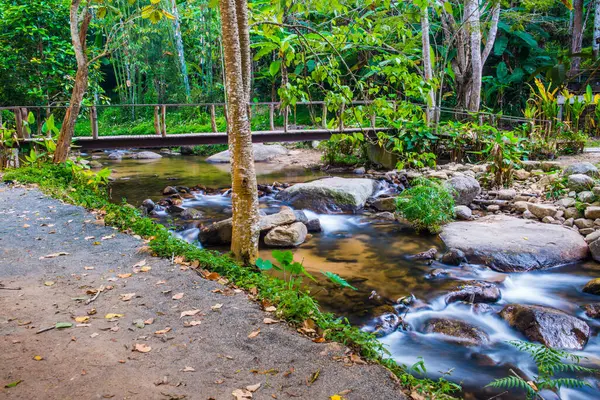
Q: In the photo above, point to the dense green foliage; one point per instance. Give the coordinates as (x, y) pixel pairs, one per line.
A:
(294, 304)
(427, 205)
(549, 362)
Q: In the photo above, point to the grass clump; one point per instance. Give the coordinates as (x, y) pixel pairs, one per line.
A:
(294, 303)
(427, 205)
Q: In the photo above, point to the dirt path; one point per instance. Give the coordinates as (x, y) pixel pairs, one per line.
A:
(205, 361)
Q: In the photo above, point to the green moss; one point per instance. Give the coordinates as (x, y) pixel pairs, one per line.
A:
(293, 305)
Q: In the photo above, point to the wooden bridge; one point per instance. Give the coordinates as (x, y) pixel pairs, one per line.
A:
(319, 130)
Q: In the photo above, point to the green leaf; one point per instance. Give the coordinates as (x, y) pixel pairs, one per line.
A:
(338, 280)
(63, 325)
(102, 12)
(526, 37)
(264, 265)
(274, 67)
(13, 384)
(30, 118)
(448, 7)
(500, 45)
(501, 71)
(284, 257)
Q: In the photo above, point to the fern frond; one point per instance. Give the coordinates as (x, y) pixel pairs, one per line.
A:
(569, 383)
(512, 382)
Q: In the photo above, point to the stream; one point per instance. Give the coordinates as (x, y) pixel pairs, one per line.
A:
(376, 256)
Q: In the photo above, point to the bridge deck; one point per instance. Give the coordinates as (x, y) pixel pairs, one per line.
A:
(190, 139)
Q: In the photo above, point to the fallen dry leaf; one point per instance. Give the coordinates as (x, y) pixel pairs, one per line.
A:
(149, 321)
(49, 283)
(191, 323)
(163, 331)
(145, 268)
(253, 388)
(188, 369)
(142, 348)
(270, 309)
(177, 296)
(189, 313)
(213, 276)
(38, 358)
(93, 335)
(88, 268)
(254, 334)
(82, 319)
(113, 315)
(139, 264)
(127, 296)
(123, 276)
(216, 307)
(241, 394)
(269, 321)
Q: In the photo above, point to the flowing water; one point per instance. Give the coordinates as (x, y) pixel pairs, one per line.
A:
(377, 257)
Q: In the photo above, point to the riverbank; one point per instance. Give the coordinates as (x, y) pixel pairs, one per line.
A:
(226, 343)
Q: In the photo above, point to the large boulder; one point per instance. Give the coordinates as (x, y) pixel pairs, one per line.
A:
(384, 204)
(330, 194)
(217, 233)
(592, 287)
(546, 325)
(144, 155)
(585, 168)
(457, 331)
(464, 189)
(287, 235)
(285, 216)
(511, 244)
(262, 153)
(475, 292)
(580, 182)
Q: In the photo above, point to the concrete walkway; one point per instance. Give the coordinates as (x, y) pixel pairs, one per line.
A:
(208, 355)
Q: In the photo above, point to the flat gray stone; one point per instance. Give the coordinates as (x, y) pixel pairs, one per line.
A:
(262, 153)
(330, 194)
(511, 244)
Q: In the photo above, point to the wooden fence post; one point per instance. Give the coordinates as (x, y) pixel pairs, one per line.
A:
(157, 120)
(342, 109)
(18, 122)
(163, 114)
(286, 118)
(324, 116)
(213, 118)
(272, 116)
(94, 121)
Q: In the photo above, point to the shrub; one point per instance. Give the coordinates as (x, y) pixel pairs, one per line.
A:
(427, 205)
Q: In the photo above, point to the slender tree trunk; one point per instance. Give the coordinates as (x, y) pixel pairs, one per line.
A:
(576, 37)
(78, 37)
(244, 238)
(427, 65)
(180, 49)
(474, 30)
(596, 37)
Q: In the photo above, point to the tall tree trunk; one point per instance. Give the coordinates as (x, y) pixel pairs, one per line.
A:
(245, 231)
(180, 52)
(576, 36)
(596, 37)
(427, 65)
(78, 37)
(474, 30)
